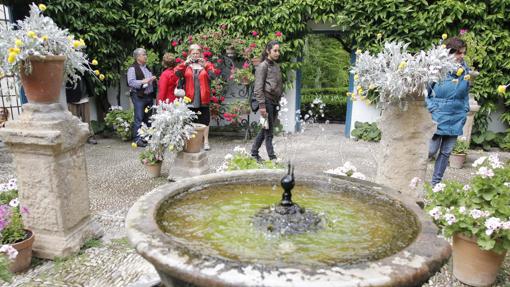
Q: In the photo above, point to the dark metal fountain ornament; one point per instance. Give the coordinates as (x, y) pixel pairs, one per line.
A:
(287, 217)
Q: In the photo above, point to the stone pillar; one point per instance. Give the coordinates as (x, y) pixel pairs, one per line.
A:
(47, 143)
(405, 141)
(468, 126)
(188, 164)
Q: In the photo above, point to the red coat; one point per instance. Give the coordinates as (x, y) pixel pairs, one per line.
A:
(166, 86)
(203, 77)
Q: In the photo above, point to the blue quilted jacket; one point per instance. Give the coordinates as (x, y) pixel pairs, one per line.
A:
(448, 102)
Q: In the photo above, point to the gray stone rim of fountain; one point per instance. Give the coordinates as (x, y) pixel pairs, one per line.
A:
(409, 267)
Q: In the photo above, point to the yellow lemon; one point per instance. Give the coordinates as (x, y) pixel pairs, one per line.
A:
(443, 46)
(82, 42)
(356, 77)
(459, 72)
(444, 36)
(133, 145)
(402, 65)
(467, 77)
(379, 36)
(31, 34)
(14, 50)
(18, 43)
(42, 7)
(187, 100)
(348, 94)
(101, 77)
(12, 58)
(358, 51)
(76, 44)
(193, 136)
(146, 110)
(44, 38)
(360, 91)
(501, 89)
(97, 72)
(94, 62)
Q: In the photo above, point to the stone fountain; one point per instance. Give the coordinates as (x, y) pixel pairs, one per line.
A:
(224, 229)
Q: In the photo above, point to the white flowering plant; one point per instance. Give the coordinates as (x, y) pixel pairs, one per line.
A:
(121, 121)
(12, 229)
(396, 76)
(478, 209)
(242, 160)
(38, 36)
(171, 127)
(461, 146)
(348, 169)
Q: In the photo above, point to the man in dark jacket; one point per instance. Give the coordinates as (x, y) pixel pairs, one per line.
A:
(268, 92)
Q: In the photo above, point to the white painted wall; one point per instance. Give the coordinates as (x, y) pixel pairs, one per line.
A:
(495, 124)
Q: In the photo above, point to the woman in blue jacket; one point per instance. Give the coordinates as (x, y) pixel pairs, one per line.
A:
(448, 102)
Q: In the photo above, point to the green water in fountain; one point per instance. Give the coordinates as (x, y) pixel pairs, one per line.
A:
(358, 227)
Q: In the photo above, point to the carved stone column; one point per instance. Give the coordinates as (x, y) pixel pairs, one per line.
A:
(48, 147)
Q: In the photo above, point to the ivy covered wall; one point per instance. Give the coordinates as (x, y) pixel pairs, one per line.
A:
(112, 28)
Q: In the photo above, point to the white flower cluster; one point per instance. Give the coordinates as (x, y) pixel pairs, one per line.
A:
(10, 251)
(10, 185)
(415, 182)
(113, 108)
(171, 126)
(395, 74)
(238, 150)
(38, 35)
(348, 169)
(438, 187)
(486, 165)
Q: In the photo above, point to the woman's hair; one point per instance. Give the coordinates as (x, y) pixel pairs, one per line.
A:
(268, 47)
(455, 44)
(168, 60)
(194, 47)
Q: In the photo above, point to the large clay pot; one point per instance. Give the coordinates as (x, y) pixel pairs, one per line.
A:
(42, 85)
(154, 169)
(457, 160)
(472, 265)
(194, 144)
(24, 258)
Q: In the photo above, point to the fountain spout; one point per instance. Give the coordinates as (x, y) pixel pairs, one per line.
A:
(287, 183)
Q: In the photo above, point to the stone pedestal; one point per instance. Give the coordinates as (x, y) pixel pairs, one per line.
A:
(468, 126)
(189, 164)
(47, 143)
(405, 142)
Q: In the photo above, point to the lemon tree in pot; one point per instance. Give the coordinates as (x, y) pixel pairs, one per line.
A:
(459, 153)
(477, 216)
(42, 54)
(16, 241)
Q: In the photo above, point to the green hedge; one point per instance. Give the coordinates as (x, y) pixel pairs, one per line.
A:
(334, 98)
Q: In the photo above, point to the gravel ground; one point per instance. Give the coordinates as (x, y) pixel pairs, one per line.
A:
(116, 179)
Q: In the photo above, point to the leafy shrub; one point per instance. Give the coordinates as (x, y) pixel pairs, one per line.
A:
(242, 160)
(333, 98)
(366, 131)
(461, 146)
(121, 121)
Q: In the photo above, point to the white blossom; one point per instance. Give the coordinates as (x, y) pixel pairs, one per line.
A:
(479, 161)
(462, 209)
(415, 182)
(358, 175)
(438, 187)
(435, 212)
(14, 202)
(450, 218)
(485, 172)
(10, 251)
(466, 187)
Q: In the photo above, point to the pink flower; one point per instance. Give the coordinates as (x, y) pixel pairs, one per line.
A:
(190, 38)
(219, 61)
(254, 33)
(213, 91)
(184, 54)
(253, 45)
(10, 251)
(178, 60)
(207, 53)
(246, 65)
(174, 43)
(217, 72)
(223, 27)
(463, 31)
(278, 34)
(222, 98)
(214, 99)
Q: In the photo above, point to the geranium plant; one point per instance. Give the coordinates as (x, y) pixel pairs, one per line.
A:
(11, 225)
(243, 76)
(461, 146)
(38, 36)
(235, 112)
(171, 126)
(478, 209)
(394, 75)
(121, 121)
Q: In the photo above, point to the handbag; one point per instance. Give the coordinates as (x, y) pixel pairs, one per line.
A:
(254, 104)
(179, 90)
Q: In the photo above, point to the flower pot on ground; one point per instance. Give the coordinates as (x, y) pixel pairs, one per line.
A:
(24, 257)
(194, 144)
(154, 169)
(457, 160)
(473, 265)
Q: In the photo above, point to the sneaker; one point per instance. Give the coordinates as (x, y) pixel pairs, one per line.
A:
(207, 147)
(141, 144)
(257, 158)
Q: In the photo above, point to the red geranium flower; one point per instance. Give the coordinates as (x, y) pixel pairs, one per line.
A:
(178, 60)
(254, 33)
(278, 34)
(174, 43)
(219, 61)
(184, 54)
(207, 54)
(253, 45)
(222, 98)
(214, 99)
(217, 72)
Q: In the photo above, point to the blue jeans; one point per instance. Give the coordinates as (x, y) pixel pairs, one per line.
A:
(445, 146)
(140, 115)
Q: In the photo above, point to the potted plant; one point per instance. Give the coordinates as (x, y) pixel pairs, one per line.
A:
(16, 241)
(458, 156)
(244, 76)
(121, 121)
(152, 159)
(171, 127)
(477, 216)
(235, 112)
(42, 54)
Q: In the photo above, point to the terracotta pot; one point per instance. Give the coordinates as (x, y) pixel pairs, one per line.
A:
(472, 265)
(245, 82)
(256, 61)
(24, 258)
(457, 160)
(43, 84)
(154, 169)
(194, 145)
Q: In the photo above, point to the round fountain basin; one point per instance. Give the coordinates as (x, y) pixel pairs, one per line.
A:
(200, 231)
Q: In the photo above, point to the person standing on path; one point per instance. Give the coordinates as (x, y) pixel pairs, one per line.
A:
(448, 102)
(168, 80)
(268, 91)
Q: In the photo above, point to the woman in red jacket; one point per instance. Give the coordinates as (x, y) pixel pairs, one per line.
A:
(198, 73)
(168, 80)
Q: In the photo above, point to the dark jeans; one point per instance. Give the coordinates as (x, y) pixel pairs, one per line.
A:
(445, 146)
(266, 134)
(140, 115)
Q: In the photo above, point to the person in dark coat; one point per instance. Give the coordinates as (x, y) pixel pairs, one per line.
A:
(448, 102)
